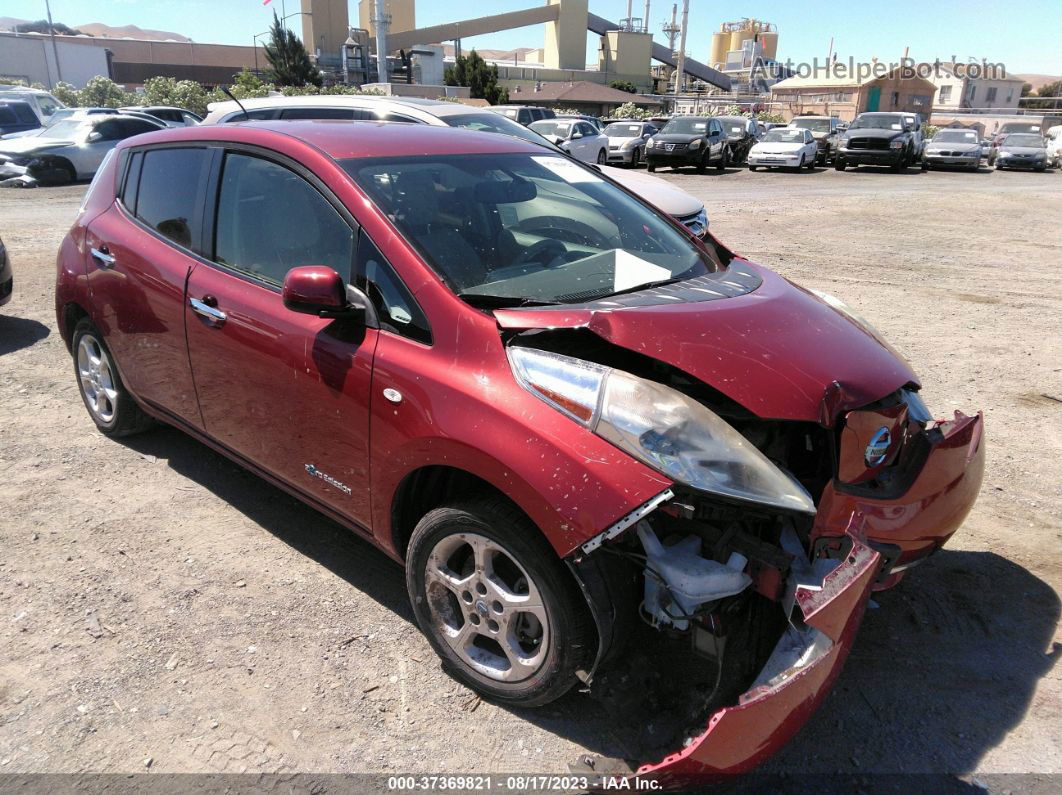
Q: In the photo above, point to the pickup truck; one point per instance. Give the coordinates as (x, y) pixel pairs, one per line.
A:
(879, 139)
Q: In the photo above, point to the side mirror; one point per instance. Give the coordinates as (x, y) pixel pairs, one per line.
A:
(317, 290)
(576, 135)
(94, 137)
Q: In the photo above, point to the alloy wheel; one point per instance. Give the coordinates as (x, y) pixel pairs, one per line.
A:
(96, 377)
(486, 607)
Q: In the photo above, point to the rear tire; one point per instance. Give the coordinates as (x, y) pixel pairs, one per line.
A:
(109, 403)
(472, 569)
(602, 157)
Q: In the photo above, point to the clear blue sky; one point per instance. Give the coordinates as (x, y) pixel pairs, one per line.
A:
(1026, 35)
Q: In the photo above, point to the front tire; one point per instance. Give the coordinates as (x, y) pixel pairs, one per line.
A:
(723, 158)
(839, 164)
(496, 603)
(109, 403)
(635, 158)
(650, 166)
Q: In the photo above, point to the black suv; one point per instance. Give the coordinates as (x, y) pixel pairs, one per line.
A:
(689, 141)
(878, 139)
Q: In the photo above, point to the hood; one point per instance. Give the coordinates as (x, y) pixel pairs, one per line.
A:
(766, 147)
(659, 193)
(1022, 150)
(776, 350)
(958, 146)
(19, 146)
(676, 138)
(874, 132)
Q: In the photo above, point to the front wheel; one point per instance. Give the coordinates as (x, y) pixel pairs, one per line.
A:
(723, 158)
(496, 604)
(109, 404)
(635, 157)
(839, 164)
(753, 168)
(650, 166)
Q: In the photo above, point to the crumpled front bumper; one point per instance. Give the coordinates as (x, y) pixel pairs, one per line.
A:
(915, 523)
(738, 738)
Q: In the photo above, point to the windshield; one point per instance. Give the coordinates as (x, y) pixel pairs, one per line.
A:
(877, 123)
(559, 128)
(955, 137)
(733, 127)
(623, 130)
(685, 126)
(511, 229)
(71, 129)
(496, 123)
(1023, 139)
(815, 125)
(784, 136)
(1012, 127)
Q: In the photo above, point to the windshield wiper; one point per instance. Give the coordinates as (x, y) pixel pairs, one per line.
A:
(484, 301)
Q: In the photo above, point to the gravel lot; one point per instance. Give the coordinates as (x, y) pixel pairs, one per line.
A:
(157, 602)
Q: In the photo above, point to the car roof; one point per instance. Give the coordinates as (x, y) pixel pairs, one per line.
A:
(342, 139)
(14, 102)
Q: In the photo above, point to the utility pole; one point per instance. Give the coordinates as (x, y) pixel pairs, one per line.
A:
(381, 41)
(671, 29)
(681, 65)
(55, 47)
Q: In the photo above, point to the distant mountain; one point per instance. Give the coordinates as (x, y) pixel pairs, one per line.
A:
(1038, 80)
(104, 31)
(130, 32)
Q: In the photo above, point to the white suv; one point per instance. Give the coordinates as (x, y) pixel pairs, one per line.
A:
(43, 103)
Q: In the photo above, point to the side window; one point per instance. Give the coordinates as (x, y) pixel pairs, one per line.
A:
(397, 117)
(132, 182)
(171, 192)
(24, 113)
(395, 306)
(271, 220)
(524, 116)
(317, 113)
(252, 115)
(127, 128)
(47, 105)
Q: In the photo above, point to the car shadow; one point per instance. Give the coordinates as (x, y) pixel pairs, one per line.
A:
(910, 171)
(940, 673)
(941, 670)
(302, 528)
(19, 332)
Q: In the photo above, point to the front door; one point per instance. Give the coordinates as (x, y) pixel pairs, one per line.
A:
(287, 391)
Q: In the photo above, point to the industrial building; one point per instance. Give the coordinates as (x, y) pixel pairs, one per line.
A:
(957, 89)
(846, 96)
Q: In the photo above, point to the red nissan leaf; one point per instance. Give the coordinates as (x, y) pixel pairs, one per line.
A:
(600, 446)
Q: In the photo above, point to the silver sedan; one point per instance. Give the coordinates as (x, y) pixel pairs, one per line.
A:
(952, 148)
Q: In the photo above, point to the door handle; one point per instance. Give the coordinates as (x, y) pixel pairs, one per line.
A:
(204, 309)
(103, 257)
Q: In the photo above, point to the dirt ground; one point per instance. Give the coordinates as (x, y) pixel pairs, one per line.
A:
(159, 603)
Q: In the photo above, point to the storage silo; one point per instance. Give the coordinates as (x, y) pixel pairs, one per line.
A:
(739, 37)
(720, 44)
(769, 43)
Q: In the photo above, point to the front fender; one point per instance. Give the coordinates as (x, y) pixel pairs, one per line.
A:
(570, 483)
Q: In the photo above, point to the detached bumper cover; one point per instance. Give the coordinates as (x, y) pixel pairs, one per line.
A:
(921, 519)
(738, 738)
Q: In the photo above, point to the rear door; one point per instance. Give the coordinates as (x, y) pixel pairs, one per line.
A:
(289, 392)
(142, 250)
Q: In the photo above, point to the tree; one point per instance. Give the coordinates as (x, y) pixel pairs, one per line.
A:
(624, 85)
(628, 110)
(1026, 89)
(41, 26)
(291, 64)
(102, 92)
(65, 93)
(480, 77)
(186, 94)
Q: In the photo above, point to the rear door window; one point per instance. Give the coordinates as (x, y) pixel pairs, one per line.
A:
(271, 220)
(171, 193)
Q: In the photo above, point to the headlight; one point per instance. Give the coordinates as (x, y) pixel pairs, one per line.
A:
(1003, 153)
(633, 142)
(660, 427)
(650, 143)
(897, 144)
(695, 145)
(916, 407)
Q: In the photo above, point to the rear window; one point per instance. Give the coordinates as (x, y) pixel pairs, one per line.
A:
(170, 196)
(318, 113)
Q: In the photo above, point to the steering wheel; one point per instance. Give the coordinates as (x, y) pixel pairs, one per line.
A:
(544, 252)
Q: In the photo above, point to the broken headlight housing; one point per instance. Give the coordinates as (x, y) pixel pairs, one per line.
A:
(659, 426)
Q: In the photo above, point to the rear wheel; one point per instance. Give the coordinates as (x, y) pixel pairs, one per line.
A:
(109, 404)
(496, 603)
(602, 157)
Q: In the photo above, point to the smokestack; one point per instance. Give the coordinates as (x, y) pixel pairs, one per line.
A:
(645, 19)
(681, 66)
(630, 14)
(381, 41)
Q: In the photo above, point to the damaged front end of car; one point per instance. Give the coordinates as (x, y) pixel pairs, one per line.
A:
(726, 605)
